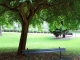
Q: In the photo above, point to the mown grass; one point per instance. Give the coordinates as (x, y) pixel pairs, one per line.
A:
(9, 42)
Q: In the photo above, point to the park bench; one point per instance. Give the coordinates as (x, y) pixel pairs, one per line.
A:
(38, 51)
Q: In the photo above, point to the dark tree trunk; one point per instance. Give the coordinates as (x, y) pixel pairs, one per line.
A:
(0, 31)
(63, 35)
(23, 38)
(25, 24)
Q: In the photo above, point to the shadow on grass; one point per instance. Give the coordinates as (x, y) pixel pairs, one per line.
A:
(8, 49)
(61, 38)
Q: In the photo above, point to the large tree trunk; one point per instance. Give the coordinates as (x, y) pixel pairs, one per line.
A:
(0, 31)
(25, 24)
(22, 43)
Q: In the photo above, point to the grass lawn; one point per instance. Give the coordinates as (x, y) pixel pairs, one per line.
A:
(9, 42)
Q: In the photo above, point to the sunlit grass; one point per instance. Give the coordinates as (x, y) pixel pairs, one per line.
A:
(10, 41)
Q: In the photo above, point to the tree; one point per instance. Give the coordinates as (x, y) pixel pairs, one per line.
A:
(27, 9)
(69, 14)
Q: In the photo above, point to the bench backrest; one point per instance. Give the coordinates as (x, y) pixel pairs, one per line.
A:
(34, 51)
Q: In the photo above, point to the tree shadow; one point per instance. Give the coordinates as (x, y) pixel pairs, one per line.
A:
(67, 37)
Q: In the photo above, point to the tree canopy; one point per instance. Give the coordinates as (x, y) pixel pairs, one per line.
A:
(53, 11)
(68, 13)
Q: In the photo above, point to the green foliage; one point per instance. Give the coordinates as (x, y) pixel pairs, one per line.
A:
(61, 10)
(36, 21)
(8, 18)
(2, 1)
(2, 10)
(22, 0)
(68, 13)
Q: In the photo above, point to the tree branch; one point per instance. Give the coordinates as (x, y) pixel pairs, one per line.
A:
(11, 9)
(22, 12)
(32, 9)
(29, 8)
(18, 5)
(42, 6)
(37, 3)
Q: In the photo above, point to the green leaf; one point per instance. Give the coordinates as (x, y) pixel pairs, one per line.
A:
(31, 1)
(22, 0)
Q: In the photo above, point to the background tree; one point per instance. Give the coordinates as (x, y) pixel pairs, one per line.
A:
(26, 9)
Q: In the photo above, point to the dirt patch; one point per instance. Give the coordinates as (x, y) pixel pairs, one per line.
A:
(45, 56)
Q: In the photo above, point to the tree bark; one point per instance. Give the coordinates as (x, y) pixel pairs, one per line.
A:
(0, 31)
(63, 35)
(23, 38)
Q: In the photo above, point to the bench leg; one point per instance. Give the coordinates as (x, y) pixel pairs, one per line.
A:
(29, 57)
(60, 55)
